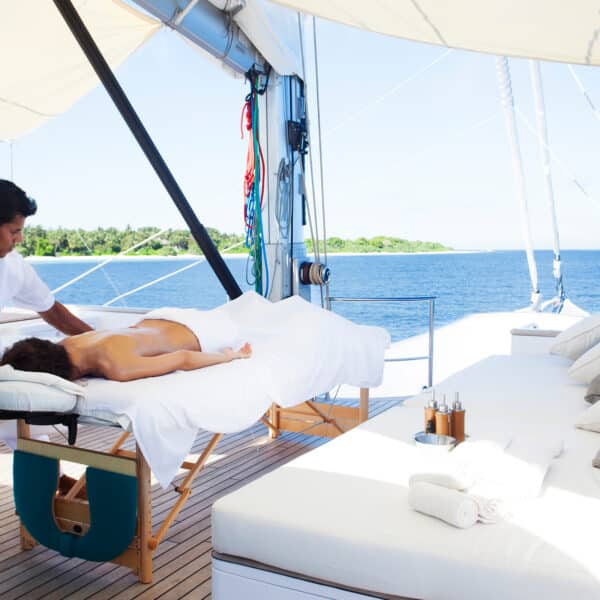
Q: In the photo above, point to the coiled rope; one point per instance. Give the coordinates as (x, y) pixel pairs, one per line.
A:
(254, 188)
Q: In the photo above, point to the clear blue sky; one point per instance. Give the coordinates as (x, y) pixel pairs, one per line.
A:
(407, 166)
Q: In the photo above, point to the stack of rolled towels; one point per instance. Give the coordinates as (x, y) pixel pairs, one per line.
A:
(481, 481)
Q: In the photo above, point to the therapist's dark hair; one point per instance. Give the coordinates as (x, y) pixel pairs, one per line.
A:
(14, 201)
(34, 354)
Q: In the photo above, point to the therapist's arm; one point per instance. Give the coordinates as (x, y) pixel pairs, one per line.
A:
(60, 317)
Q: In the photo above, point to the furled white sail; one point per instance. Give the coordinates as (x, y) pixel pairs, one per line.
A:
(555, 30)
(44, 71)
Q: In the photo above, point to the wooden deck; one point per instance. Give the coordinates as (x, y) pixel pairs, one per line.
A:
(182, 563)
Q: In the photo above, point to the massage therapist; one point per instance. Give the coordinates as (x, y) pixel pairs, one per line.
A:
(20, 285)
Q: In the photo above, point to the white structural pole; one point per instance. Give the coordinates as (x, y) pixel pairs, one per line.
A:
(542, 131)
(506, 95)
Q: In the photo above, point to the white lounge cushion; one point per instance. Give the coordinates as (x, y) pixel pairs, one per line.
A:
(587, 367)
(578, 339)
(592, 394)
(590, 418)
(36, 392)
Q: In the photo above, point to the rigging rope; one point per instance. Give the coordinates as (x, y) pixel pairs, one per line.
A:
(321, 170)
(557, 159)
(105, 273)
(254, 188)
(391, 91)
(506, 95)
(105, 262)
(584, 92)
(540, 113)
(167, 276)
(314, 229)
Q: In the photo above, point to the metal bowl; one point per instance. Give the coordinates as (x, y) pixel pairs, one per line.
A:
(435, 441)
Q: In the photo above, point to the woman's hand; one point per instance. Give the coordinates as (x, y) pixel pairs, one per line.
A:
(244, 352)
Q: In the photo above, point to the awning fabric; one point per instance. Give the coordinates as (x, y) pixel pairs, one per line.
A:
(555, 30)
(43, 71)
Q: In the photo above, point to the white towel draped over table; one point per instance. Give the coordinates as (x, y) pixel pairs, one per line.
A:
(299, 350)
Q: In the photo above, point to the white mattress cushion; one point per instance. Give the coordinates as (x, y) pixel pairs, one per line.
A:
(577, 339)
(36, 392)
(534, 388)
(340, 512)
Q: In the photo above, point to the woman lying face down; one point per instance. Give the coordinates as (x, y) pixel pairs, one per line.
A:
(151, 347)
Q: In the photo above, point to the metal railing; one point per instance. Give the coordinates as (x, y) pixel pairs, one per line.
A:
(429, 299)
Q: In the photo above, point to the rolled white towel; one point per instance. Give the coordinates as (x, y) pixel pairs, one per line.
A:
(490, 510)
(450, 506)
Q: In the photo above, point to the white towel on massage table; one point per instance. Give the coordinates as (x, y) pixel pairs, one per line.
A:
(299, 350)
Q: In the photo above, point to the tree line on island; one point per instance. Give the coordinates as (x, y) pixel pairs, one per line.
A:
(38, 241)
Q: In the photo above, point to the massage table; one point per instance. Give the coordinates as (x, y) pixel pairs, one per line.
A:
(335, 523)
(299, 352)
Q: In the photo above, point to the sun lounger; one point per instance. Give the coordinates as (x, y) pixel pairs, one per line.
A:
(336, 523)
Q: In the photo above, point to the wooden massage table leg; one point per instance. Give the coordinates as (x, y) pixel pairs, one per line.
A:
(27, 542)
(144, 517)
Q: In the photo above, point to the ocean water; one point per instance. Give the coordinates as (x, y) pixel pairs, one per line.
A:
(462, 283)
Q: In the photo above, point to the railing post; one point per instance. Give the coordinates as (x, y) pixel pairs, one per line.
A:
(430, 363)
(429, 299)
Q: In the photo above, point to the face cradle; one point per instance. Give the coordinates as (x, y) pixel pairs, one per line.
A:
(11, 234)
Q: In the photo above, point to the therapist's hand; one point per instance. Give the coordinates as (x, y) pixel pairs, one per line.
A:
(60, 317)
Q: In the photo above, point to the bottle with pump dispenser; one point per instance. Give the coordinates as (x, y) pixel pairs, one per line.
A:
(442, 419)
(458, 420)
(430, 410)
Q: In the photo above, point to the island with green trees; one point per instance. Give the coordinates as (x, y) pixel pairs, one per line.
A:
(38, 241)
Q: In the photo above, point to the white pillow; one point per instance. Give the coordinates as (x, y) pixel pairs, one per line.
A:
(587, 367)
(578, 338)
(590, 419)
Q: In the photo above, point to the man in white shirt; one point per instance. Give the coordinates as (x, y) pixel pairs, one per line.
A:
(20, 285)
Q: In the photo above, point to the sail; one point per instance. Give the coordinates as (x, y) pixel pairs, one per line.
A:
(553, 30)
(44, 70)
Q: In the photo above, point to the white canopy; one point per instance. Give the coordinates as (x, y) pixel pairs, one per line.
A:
(43, 69)
(556, 30)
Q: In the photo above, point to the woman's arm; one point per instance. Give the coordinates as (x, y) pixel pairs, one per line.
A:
(138, 367)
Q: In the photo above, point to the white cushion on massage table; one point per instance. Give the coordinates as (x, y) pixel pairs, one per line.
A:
(33, 397)
(36, 392)
(299, 350)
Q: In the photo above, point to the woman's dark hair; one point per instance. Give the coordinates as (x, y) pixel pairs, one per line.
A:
(14, 201)
(34, 354)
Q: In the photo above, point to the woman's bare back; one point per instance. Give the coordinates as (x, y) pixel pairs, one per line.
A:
(151, 347)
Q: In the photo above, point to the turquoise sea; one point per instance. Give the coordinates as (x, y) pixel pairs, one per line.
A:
(463, 284)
